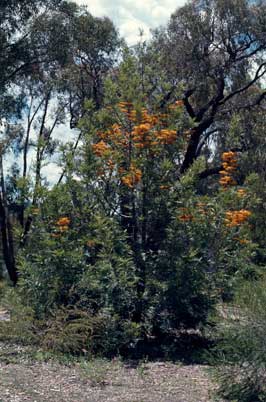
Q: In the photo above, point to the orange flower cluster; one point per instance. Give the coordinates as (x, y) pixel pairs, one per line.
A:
(146, 117)
(63, 224)
(229, 167)
(144, 134)
(63, 221)
(179, 103)
(127, 109)
(143, 116)
(166, 136)
(202, 208)
(100, 149)
(186, 216)
(236, 218)
(242, 241)
(114, 136)
(140, 135)
(132, 178)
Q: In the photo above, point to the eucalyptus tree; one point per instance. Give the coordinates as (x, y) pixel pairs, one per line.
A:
(54, 57)
(93, 52)
(214, 50)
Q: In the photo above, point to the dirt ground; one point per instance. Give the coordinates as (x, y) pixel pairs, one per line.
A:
(24, 378)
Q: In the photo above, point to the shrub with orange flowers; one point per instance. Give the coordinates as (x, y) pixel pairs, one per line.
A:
(229, 167)
(141, 246)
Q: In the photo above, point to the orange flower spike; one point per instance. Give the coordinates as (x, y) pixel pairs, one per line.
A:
(228, 156)
(236, 218)
(166, 136)
(64, 221)
(138, 175)
(100, 149)
(246, 213)
(116, 129)
(223, 172)
(124, 104)
(227, 180)
(141, 129)
(230, 169)
(102, 135)
(132, 178)
(244, 241)
(127, 181)
(229, 165)
(186, 218)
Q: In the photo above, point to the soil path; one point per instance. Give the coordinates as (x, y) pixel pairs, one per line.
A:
(23, 379)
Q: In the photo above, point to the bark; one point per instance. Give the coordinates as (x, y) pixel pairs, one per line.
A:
(6, 233)
(30, 119)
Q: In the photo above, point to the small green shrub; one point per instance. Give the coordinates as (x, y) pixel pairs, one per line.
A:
(22, 326)
(74, 331)
(242, 350)
(68, 331)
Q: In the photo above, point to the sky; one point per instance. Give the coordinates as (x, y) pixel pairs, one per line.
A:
(131, 15)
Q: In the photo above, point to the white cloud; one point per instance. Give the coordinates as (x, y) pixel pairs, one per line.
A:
(131, 15)
(52, 172)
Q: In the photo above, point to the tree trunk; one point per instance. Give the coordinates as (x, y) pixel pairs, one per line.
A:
(6, 233)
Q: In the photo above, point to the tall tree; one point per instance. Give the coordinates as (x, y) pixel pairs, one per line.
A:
(54, 56)
(215, 51)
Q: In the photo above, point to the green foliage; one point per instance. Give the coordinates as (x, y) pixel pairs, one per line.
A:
(242, 351)
(88, 264)
(21, 328)
(68, 331)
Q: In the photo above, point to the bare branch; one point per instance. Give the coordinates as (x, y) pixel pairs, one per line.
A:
(257, 76)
